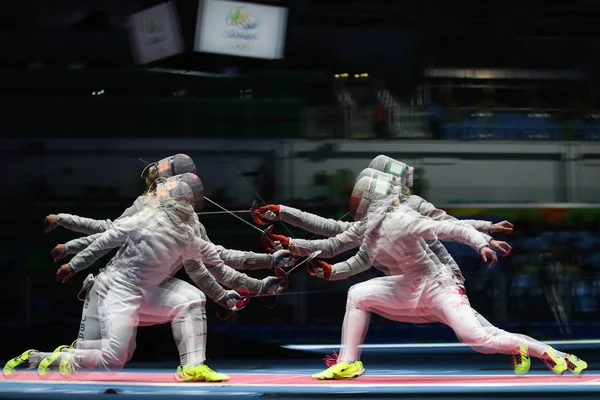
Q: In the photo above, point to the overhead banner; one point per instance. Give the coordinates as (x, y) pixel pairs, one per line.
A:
(155, 33)
(240, 29)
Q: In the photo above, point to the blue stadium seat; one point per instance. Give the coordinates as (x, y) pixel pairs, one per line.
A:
(587, 241)
(511, 126)
(589, 132)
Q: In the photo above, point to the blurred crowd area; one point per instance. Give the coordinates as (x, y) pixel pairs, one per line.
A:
(452, 104)
(550, 280)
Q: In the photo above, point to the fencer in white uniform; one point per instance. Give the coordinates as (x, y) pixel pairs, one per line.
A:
(392, 235)
(330, 227)
(181, 295)
(169, 301)
(415, 313)
(159, 236)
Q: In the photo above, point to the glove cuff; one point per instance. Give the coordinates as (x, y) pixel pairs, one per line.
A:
(274, 208)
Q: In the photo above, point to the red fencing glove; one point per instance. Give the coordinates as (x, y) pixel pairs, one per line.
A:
(319, 268)
(265, 214)
(273, 242)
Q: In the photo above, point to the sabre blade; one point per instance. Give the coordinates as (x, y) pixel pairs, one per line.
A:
(310, 257)
(299, 293)
(241, 219)
(223, 212)
(248, 183)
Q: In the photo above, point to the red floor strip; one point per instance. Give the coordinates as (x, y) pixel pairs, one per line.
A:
(299, 380)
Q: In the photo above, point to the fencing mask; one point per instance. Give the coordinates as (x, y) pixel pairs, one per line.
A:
(370, 188)
(394, 167)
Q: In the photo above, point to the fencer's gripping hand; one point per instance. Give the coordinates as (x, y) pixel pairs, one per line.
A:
(64, 273)
(282, 259)
(487, 253)
(50, 223)
(229, 300)
(502, 227)
(274, 241)
(319, 268)
(501, 246)
(59, 252)
(265, 214)
(270, 285)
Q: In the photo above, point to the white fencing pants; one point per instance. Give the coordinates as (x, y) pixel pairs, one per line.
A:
(174, 301)
(404, 300)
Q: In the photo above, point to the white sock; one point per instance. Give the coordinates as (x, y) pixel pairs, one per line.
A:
(35, 358)
(354, 331)
(90, 344)
(189, 333)
(537, 348)
(87, 358)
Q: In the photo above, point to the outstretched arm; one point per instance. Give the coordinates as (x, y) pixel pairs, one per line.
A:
(84, 225)
(247, 260)
(90, 226)
(207, 283)
(402, 224)
(427, 209)
(76, 245)
(329, 247)
(343, 270)
(112, 238)
(313, 223)
(244, 259)
(203, 279)
(224, 274)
